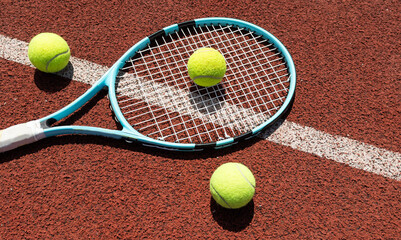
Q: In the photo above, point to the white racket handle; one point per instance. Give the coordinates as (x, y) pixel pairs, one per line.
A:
(21, 134)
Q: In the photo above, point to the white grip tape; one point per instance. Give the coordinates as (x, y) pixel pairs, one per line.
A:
(20, 134)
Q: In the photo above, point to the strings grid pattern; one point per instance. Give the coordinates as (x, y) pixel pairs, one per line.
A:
(157, 97)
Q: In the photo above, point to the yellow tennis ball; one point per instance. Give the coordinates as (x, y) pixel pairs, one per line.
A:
(206, 67)
(49, 52)
(232, 185)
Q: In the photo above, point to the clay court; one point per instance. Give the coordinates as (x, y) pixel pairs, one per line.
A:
(330, 170)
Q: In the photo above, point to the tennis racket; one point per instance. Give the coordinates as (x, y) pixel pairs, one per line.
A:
(157, 104)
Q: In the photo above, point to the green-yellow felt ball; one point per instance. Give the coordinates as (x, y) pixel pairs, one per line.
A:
(232, 185)
(49, 52)
(206, 67)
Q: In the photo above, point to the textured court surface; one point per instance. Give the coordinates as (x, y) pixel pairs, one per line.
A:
(331, 170)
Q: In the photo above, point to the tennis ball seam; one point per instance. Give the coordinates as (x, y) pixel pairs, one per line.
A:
(221, 197)
(48, 63)
(243, 175)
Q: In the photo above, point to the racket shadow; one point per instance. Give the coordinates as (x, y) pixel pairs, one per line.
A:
(277, 124)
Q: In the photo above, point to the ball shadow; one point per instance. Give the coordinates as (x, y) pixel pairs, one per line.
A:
(54, 82)
(234, 220)
(207, 100)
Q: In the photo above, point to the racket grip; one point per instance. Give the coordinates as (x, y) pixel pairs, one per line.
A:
(19, 135)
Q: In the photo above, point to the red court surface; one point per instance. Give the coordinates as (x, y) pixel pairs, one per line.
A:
(348, 61)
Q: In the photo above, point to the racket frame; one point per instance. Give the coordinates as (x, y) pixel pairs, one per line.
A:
(128, 132)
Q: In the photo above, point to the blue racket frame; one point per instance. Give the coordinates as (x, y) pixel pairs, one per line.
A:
(128, 132)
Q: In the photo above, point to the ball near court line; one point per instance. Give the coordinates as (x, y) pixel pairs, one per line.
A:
(232, 185)
(206, 67)
(49, 52)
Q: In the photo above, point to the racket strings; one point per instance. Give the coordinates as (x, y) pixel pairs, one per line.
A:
(180, 74)
(180, 49)
(174, 56)
(250, 63)
(153, 97)
(206, 98)
(222, 38)
(225, 48)
(149, 70)
(238, 65)
(239, 95)
(157, 97)
(160, 120)
(234, 53)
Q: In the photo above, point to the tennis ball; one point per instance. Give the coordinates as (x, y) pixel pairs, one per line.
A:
(206, 67)
(232, 185)
(49, 52)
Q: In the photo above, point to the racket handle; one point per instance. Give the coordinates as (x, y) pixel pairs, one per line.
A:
(19, 135)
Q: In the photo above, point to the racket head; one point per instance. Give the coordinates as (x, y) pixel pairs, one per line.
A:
(151, 89)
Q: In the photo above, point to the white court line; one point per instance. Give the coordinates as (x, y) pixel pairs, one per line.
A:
(338, 148)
